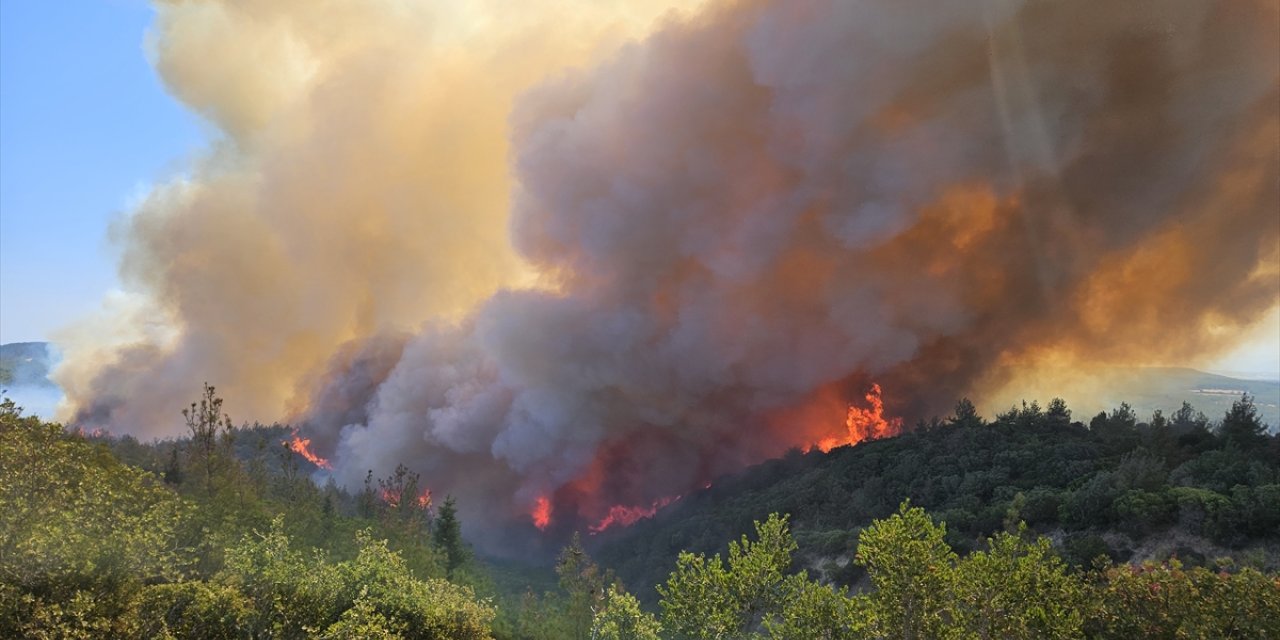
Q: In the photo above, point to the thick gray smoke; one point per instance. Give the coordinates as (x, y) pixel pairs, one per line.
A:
(741, 221)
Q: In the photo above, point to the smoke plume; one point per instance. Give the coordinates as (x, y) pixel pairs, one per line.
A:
(715, 237)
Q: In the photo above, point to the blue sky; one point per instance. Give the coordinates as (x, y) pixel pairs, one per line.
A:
(85, 124)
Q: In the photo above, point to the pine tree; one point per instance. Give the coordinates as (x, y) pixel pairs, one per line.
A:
(966, 415)
(1241, 425)
(448, 536)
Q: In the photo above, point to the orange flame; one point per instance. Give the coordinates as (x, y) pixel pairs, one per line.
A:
(626, 516)
(392, 498)
(541, 513)
(302, 447)
(863, 424)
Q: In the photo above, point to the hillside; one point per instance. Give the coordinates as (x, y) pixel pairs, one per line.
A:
(1116, 487)
(222, 534)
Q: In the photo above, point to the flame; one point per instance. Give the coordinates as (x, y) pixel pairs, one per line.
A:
(541, 513)
(626, 516)
(870, 424)
(392, 498)
(863, 424)
(302, 447)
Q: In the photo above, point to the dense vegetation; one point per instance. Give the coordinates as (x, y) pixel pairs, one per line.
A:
(223, 535)
(1128, 489)
(1013, 588)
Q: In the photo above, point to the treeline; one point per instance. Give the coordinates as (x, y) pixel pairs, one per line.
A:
(1118, 486)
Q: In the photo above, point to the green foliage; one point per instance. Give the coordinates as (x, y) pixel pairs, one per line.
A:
(584, 585)
(298, 595)
(622, 619)
(447, 535)
(80, 533)
(966, 415)
(237, 541)
(1123, 482)
(910, 567)
(1242, 426)
(194, 610)
(751, 595)
(1166, 601)
(92, 548)
(1017, 588)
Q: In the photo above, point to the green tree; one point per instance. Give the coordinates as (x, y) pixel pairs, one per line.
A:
(1017, 588)
(1242, 426)
(711, 598)
(584, 585)
(80, 533)
(966, 415)
(208, 427)
(910, 566)
(1058, 415)
(447, 534)
(1187, 418)
(621, 618)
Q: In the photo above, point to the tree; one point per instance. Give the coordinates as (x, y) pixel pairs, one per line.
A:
(1017, 588)
(966, 415)
(1187, 418)
(622, 619)
(1058, 415)
(447, 535)
(205, 421)
(910, 566)
(1242, 426)
(709, 598)
(80, 533)
(584, 584)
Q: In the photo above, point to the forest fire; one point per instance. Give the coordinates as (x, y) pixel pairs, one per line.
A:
(863, 423)
(627, 516)
(541, 513)
(550, 317)
(302, 447)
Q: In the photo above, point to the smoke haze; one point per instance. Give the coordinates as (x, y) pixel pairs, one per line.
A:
(602, 259)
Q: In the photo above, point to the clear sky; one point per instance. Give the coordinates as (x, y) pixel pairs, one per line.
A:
(85, 124)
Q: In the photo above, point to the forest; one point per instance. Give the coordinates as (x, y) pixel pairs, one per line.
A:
(1030, 525)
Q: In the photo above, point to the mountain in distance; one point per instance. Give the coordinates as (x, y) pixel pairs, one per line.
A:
(1147, 389)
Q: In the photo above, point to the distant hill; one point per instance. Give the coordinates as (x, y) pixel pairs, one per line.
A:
(1211, 393)
(26, 364)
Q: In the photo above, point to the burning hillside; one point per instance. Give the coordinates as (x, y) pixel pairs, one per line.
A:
(715, 242)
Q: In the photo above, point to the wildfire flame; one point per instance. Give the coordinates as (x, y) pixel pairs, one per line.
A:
(541, 513)
(863, 424)
(392, 498)
(626, 516)
(302, 447)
